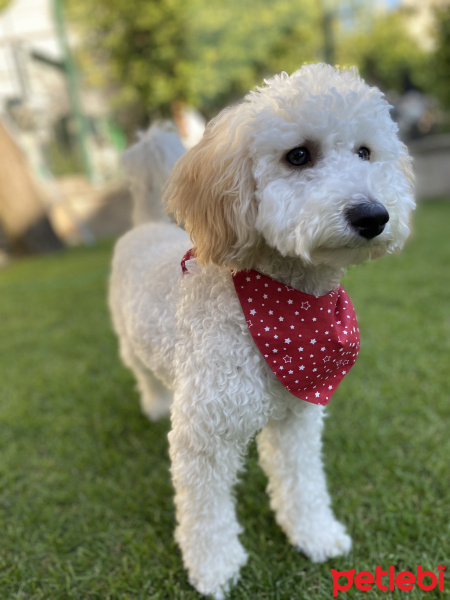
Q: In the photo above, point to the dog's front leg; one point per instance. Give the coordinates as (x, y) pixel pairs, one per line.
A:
(290, 454)
(204, 470)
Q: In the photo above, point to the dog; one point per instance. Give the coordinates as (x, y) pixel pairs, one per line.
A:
(148, 165)
(304, 177)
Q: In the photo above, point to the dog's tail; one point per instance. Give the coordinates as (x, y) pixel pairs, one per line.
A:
(148, 165)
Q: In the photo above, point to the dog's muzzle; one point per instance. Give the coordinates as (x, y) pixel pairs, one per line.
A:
(368, 219)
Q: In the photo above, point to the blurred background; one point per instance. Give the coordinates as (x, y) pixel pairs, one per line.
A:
(78, 79)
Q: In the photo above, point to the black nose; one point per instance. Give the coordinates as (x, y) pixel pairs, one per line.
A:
(368, 219)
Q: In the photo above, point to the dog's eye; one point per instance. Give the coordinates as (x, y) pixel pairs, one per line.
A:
(364, 153)
(298, 156)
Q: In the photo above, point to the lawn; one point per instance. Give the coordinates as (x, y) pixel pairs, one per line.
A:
(85, 495)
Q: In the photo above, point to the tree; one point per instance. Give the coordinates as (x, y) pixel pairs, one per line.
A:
(204, 52)
(235, 44)
(441, 83)
(210, 52)
(385, 52)
(136, 48)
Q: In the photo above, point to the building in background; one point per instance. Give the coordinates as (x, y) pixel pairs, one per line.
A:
(62, 126)
(71, 144)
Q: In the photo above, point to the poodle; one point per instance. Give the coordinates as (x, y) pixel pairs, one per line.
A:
(148, 165)
(304, 177)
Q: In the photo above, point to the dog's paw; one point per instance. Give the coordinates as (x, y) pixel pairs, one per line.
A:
(321, 540)
(216, 574)
(218, 592)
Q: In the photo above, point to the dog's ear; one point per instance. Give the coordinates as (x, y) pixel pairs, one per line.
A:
(212, 192)
(405, 165)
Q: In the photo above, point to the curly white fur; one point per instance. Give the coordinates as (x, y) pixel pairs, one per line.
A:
(148, 165)
(245, 206)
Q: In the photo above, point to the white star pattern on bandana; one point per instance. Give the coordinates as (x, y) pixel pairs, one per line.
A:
(286, 315)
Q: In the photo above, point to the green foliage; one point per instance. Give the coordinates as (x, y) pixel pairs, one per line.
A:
(237, 43)
(385, 52)
(442, 56)
(203, 51)
(210, 52)
(4, 4)
(86, 506)
(140, 47)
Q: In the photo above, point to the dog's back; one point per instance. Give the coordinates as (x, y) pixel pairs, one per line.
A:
(143, 297)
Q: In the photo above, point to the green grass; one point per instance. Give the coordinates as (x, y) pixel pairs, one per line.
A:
(86, 505)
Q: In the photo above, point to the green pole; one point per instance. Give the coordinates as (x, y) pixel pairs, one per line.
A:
(81, 126)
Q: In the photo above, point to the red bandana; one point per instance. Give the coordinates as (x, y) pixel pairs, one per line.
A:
(309, 342)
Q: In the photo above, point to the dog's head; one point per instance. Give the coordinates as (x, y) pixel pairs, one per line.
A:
(310, 165)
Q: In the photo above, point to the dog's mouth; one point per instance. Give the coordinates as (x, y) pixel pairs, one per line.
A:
(355, 242)
(351, 251)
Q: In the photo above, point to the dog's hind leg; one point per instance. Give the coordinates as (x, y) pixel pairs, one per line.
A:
(155, 398)
(290, 454)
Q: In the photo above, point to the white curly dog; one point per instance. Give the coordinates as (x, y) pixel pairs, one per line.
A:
(304, 177)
